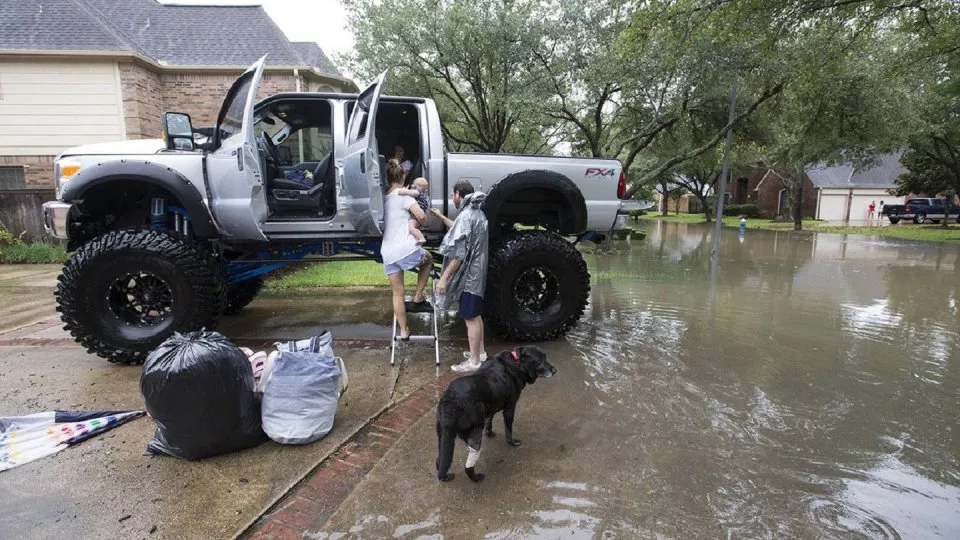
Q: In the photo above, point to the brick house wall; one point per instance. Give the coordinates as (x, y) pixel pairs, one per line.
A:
(685, 204)
(37, 170)
(768, 196)
(201, 95)
(742, 189)
(142, 101)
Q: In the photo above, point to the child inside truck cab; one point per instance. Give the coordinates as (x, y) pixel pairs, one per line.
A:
(421, 193)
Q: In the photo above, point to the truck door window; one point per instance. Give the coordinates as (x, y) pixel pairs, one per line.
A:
(233, 122)
(358, 128)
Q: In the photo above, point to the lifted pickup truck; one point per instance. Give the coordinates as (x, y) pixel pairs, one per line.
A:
(168, 235)
(920, 210)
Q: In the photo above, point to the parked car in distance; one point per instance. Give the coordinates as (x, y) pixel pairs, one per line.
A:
(920, 210)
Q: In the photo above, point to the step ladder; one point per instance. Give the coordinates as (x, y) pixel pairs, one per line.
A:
(435, 338)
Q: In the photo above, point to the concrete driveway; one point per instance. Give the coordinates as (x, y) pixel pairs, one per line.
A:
(106, 487)
(26, 294)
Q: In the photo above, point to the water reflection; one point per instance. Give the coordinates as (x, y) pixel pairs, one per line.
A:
(807, 389)
(786, 381)
(891, 500)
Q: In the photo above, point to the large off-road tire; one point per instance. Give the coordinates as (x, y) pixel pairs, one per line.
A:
(537, 287)
(239, 295)
(125, 292)
(894, 220)
(920, 218)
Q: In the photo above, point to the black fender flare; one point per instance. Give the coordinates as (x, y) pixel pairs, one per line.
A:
(539, 179)
(141, 170)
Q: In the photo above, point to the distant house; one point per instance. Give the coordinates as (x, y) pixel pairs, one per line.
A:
(685, 203)
(769, 190)
(844, 194)
(757, 185)
(85, 71)
(831, 193)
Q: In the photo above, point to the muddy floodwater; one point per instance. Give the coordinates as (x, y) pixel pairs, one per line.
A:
(808, 389)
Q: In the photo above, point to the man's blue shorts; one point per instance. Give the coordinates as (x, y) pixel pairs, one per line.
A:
(409, 262)
(471, 306)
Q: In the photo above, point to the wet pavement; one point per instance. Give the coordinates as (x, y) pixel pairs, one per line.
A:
(106, 487)
(26, 294)
(808, 388)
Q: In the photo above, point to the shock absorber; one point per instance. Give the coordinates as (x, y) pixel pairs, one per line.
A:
(158, 213)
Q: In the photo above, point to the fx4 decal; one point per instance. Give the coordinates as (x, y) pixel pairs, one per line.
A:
(593, 171)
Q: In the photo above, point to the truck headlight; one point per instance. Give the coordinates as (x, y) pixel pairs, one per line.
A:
(64, 171)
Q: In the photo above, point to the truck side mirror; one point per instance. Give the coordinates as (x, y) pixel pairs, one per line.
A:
(177, 131)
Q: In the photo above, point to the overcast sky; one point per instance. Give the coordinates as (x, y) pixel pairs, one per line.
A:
(323, 21)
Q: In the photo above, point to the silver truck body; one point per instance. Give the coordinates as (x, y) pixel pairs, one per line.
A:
(232, 187)
(596, 178)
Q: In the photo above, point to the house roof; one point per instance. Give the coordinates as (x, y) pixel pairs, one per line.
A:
(313, 55)
(55, 25)
(881, 175)
(170, 34)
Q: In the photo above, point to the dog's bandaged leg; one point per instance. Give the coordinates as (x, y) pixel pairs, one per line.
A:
(472, 457)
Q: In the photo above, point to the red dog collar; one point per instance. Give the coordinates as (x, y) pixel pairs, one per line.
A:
(516, 356)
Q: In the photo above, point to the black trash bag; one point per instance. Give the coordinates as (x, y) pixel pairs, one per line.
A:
(199, 388)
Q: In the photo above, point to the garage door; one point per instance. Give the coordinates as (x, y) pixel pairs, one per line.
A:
(46, 107)
(832, 206)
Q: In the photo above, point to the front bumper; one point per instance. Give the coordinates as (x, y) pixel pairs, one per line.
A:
(55, 214)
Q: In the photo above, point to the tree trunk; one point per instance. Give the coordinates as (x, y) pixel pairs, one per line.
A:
(664, 199)
(706, 207)
(798, 206)
(947, 203)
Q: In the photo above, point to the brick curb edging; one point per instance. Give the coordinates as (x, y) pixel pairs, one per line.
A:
(311, 503)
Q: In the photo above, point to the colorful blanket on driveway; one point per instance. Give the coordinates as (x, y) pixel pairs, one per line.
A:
(27, 438)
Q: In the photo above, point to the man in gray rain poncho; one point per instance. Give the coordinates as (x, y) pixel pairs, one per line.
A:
(464, 275)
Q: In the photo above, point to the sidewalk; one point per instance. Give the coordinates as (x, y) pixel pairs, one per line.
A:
(106, 487)
(310, 504)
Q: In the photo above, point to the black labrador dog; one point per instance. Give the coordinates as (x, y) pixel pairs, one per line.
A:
(469, 403)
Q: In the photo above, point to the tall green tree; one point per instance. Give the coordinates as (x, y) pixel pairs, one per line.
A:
(930, 60)
(848, 110)
(475, 59)
(765, 47)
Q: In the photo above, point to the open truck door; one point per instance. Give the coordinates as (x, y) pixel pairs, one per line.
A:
(237, 183)
(362, 174)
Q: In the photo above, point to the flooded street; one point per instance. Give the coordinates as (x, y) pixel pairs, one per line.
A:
(809, 391)
(812, 391)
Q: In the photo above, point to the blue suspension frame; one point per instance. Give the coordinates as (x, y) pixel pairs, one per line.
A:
(265, 261)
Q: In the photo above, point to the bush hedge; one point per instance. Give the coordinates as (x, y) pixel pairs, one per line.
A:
(749, 210)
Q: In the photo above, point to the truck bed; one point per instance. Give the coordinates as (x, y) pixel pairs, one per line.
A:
(597, 178)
